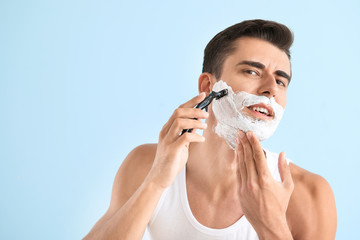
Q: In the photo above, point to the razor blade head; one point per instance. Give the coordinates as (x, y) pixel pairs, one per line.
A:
(221, 93)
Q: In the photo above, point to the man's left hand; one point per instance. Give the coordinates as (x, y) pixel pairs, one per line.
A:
(263, 200)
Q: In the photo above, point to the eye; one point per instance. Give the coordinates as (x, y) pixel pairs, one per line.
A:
(251, 72)
(281, 83)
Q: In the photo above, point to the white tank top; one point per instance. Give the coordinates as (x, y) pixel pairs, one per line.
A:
(174, 220)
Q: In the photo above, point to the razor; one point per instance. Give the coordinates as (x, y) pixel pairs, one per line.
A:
(203, 105)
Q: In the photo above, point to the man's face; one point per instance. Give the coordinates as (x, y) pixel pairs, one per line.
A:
(259, 68)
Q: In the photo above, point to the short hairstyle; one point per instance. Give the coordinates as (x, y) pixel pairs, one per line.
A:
(222, 45)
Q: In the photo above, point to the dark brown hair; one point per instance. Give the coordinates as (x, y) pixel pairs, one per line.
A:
(222, 45)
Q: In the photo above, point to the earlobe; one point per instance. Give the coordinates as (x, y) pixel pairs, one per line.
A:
(206, 82)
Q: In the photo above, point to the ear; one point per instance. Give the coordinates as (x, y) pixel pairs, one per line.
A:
(206, 82)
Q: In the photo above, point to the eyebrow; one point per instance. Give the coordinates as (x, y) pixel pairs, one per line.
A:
(262, 66)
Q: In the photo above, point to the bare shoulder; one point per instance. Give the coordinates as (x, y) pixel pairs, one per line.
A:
(131, 174)
(129, 177)
(312, 211)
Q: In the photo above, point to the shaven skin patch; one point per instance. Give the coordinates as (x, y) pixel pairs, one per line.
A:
(232, 113)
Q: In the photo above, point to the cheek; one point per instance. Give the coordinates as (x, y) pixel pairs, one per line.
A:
(239, 85)
(281, 101)
(281, 98)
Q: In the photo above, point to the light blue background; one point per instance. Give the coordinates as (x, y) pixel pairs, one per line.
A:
(84, 82)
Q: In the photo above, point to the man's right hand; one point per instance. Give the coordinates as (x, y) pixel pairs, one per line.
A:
(173, 149)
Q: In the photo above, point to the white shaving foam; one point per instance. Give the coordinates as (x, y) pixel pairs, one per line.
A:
(230, 117)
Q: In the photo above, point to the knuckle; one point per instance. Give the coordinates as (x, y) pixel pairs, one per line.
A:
(177, 112)
(251, 185)
(264, 179)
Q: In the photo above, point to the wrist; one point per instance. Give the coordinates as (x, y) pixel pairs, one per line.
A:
(161, 177)
(153, 183)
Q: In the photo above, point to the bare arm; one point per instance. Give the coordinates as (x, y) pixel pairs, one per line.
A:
(312, 209)
(133, 199)
(325, 215)
(146, 173)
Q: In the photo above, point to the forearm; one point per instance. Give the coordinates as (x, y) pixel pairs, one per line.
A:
(279, 231)
(130, 221)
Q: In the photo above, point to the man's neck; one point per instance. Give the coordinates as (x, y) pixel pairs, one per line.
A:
(212, 167)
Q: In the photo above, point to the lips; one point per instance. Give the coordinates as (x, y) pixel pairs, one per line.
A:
(262, 110)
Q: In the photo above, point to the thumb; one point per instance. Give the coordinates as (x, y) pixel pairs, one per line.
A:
(284, 170)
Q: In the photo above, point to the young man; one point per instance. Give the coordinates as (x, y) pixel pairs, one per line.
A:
(223, 185)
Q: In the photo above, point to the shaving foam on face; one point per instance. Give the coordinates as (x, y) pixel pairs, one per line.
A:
(230, 117)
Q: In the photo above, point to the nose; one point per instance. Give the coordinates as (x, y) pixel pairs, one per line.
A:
(268, 86)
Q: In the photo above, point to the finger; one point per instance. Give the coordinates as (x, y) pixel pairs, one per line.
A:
(252, 175)
(194, 101)
(190, 113)
(241, 161)
(284, 170)
(183, 123)
(259, 156)
(189, 137)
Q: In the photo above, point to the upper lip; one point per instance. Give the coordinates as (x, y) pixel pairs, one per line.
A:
(263, 105)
